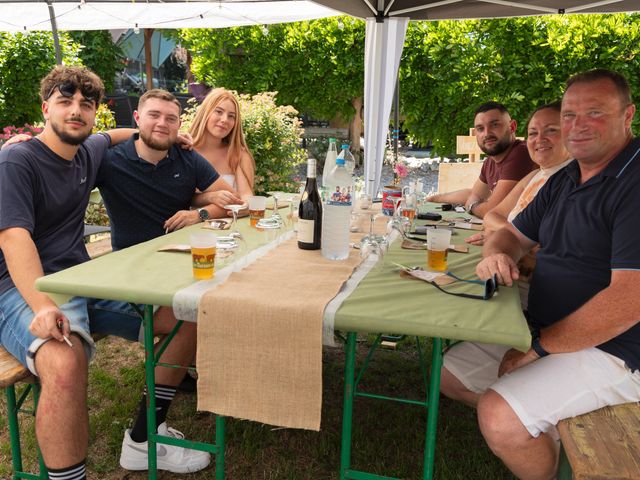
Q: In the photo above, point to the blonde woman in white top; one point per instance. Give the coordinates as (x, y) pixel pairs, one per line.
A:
(218, 137)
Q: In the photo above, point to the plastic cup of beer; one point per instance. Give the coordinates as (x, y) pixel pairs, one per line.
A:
(203, 254)
(257, 206)
(438, 240)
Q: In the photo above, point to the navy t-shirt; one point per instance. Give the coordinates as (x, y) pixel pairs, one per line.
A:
(48, 195)
(584, 232)
(140, 196)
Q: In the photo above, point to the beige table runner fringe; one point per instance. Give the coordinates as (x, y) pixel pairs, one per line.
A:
(263, 361)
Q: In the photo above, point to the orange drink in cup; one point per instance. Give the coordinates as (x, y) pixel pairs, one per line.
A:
(257, 206)
(438, 240)
(203, 254)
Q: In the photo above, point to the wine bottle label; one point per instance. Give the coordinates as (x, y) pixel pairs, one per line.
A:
(305, 230)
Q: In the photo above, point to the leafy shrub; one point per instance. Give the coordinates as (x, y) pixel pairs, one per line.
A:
(273, 135)
(105, 120)
(100, 54)
(24, 59)
(27, 57)
(96, 214)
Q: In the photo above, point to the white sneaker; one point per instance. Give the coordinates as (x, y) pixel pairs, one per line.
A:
(171, 458)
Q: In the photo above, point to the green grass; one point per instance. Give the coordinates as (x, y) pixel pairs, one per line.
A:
(388, 438)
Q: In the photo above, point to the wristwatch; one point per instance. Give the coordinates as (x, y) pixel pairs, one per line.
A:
(535, 344)
(470, 209)
(204, 215)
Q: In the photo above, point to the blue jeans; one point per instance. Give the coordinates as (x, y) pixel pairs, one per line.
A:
(86, 316)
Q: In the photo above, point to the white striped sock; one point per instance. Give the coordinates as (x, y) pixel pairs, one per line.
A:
(76, 472)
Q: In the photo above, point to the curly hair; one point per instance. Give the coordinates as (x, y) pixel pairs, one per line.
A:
(81, 77)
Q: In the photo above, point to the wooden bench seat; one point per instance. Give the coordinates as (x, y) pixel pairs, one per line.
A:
(604, 444)
(11, 371)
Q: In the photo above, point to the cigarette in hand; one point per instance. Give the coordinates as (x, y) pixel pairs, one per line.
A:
(66, 339)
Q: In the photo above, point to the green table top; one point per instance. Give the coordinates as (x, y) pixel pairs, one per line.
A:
(386, 302)
(383, 302)
(140, 274)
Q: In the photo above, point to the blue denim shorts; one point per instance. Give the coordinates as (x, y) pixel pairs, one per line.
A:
(86, 316)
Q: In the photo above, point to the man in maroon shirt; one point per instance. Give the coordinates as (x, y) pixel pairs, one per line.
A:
(507, 162)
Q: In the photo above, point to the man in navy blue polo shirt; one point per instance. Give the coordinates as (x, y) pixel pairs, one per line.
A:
(148, 183)
(584, 302)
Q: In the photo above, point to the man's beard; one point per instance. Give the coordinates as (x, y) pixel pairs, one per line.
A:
(69, 139)
(499, 147)
(154, 144)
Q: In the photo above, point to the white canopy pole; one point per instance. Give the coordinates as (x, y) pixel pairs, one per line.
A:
(383, 48)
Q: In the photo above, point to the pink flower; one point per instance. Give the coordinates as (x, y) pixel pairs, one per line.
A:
(400, 169)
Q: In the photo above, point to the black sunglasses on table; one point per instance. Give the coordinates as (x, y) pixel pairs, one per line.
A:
(68, 89)
(490, 287)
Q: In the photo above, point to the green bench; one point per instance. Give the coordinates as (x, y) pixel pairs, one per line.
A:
(13, 372)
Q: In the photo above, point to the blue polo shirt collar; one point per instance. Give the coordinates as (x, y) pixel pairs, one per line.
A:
(615, 168)
(132, 153)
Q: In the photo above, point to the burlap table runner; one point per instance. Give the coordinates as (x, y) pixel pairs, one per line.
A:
(260, 337)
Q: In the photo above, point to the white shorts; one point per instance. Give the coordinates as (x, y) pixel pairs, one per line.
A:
(555, 387)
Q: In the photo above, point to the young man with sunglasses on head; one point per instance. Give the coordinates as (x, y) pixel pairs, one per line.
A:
(44, 191)
(584, 301)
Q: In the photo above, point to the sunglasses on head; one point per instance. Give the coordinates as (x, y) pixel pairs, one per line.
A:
(68, 89)
(490, 287)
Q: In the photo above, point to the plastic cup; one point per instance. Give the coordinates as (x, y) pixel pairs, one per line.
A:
(203, 254)
(257, 206)
(438, 240)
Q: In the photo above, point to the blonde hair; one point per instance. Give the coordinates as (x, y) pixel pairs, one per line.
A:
(235, 139)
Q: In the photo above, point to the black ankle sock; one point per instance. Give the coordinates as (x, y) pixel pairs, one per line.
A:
(164, 396)
(74, 472)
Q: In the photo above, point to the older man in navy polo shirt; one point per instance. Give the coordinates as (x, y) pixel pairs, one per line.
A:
(584, 302)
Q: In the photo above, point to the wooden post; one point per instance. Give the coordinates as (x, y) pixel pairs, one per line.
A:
(468, 145)
(148, 32)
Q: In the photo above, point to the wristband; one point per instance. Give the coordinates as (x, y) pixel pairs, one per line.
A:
(535, 345)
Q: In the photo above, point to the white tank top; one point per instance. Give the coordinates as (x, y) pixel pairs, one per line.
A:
(230, 178)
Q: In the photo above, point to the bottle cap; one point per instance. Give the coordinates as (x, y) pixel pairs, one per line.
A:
(345, 146)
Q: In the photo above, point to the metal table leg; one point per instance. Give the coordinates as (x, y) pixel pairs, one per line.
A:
(150, 376)
(152, 360)
(351, 391)
(432, 410)
(347, 409)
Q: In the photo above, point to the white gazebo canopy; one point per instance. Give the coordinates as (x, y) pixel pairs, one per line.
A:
(385, 32)
(28, 15)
